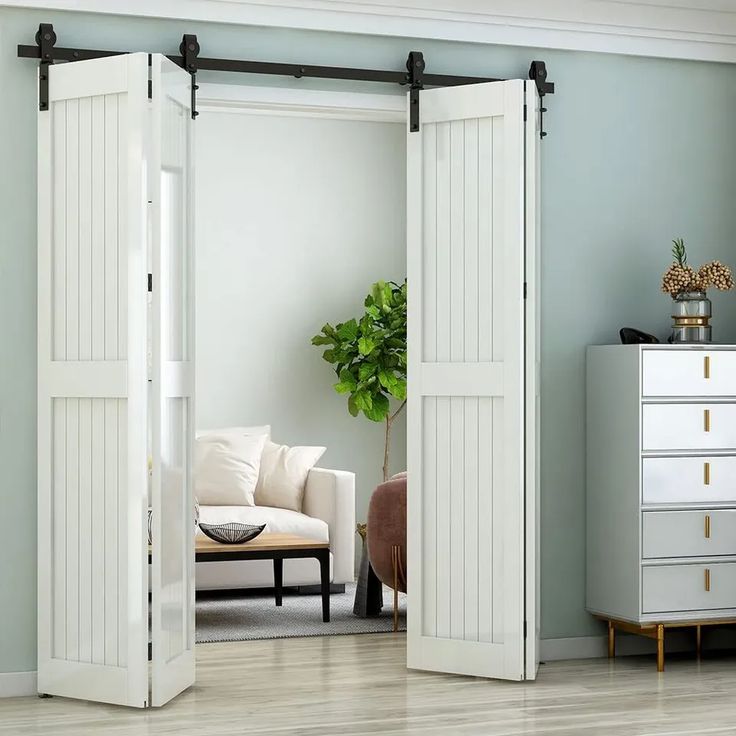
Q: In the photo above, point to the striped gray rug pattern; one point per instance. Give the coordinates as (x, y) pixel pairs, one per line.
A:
(243, 617)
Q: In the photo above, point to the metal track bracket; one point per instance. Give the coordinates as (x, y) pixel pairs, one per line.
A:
(189, 49)
(538, 74)
(415, 66)
(45, 38)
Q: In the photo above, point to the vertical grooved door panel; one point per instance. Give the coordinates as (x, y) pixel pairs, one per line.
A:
(466, 370)
(172, 382)
(92, 588)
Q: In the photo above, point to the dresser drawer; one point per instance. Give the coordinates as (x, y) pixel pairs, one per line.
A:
(671, 588)
(688, 533)
(688, 479)
(688, 427)
(689, 373)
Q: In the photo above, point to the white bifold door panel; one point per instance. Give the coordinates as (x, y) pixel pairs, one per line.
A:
(172, 384)
(100, 157)
(472, 376)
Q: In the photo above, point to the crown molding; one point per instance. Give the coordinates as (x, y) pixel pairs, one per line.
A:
(680, 29)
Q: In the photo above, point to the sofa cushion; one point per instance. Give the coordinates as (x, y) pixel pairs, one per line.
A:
(261, 429)
(278, 521)
(283, 475)
(226, 468)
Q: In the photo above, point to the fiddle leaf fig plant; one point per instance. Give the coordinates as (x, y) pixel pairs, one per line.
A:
(368, 355)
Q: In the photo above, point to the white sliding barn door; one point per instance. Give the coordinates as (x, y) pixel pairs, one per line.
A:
(468, 535)
(92, 566)
(172, 359)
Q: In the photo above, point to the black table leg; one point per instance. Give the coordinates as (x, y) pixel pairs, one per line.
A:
(278, 579)
(324, 574)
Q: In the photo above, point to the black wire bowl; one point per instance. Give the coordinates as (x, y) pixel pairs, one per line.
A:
(231, 533)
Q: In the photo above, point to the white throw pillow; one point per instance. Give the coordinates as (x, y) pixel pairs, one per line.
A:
(261, 429)
(283, 475)
(226, 468)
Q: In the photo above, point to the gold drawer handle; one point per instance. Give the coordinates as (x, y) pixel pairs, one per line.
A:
(706, 420)
(706, 366)
(706, 473)
(707, 526)
(707, 580)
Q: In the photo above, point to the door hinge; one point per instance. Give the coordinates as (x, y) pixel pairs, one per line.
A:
(525, 290)
(150, 282)
(415, 77)
(149, 86)
(189, 49)
(525, 112)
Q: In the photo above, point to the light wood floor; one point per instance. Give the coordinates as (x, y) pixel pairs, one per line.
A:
(358, 685)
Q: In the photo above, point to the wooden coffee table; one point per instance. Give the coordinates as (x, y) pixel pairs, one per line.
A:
(276, 547)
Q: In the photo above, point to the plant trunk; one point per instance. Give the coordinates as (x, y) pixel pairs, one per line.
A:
(387, 444)
(386, 447)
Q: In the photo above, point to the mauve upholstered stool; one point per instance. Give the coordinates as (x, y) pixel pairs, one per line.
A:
(387, 536)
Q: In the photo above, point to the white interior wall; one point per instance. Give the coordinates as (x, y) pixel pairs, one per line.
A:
(295, 217)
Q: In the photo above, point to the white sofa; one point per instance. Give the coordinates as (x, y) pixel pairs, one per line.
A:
(328, 514)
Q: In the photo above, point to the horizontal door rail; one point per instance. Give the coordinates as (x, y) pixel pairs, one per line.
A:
(47, 53)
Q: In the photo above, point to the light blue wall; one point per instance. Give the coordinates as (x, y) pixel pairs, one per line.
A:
(639, 151)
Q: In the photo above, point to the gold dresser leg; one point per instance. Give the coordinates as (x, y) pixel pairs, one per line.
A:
(660, 648)
(611, 640)
(698, 640)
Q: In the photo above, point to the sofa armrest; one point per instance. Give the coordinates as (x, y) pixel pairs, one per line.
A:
(330, 495)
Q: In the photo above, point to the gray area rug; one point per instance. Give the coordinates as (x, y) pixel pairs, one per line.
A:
(243, 617)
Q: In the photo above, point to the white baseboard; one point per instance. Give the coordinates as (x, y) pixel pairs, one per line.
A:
(16, 684)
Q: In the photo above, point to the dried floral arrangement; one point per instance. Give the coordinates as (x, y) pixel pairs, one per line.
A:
(680, 278)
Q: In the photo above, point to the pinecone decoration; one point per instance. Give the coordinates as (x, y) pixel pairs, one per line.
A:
(678, 279)
(716, 274)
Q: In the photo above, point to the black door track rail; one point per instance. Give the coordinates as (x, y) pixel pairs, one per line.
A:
(414, 77)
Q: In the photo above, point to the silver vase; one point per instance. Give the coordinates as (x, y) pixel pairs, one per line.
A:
(690, 318)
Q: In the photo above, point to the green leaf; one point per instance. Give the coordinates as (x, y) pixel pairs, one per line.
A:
(366, 345)
(329, 356)
(387, 378)
(378, 293)
(322, 340)
(678, 251)
(363, 400)
(348, 331)
(398, 390)
(366, 370)
(366, 325)
(379, 409)
(348, 378)
(352, 407)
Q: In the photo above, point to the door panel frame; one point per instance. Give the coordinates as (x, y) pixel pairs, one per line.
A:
(171, 379)
(518, 657)
(126, 684)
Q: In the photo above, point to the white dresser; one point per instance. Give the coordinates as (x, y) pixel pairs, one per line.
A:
(661, 486)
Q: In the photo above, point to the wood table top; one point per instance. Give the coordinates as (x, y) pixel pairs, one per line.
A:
(263, 542)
